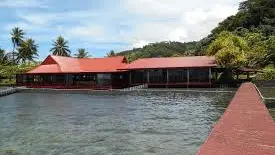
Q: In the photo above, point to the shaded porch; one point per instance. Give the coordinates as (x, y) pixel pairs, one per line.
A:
(176, 77)
(75, 81)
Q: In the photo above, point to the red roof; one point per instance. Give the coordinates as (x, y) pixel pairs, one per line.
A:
(60, 64)
(51, 68)
(172, 62)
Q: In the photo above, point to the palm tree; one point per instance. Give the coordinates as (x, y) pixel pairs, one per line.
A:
(82, 53)
(27, 51)
(4, 57)
(17, 36)
(111, 54)
(60, 47)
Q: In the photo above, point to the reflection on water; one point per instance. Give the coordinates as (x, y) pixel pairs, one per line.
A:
(134, 124)
(269, 92)
(270, 104)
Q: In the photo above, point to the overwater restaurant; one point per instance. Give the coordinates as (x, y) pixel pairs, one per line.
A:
(116, 72)
(195, 71)
(73, 73)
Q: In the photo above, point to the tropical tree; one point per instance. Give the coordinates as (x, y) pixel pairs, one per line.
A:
(82, 53)
(17, 36)
(4, 57)
(111, 54)
(257, 53)
(27, 51)
(229, 50)
(270, 47)
(60, 47)
(8, 71)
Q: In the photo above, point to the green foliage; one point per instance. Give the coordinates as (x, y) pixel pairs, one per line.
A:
(267, 74)
(162, 49)
(261, 50)
(9, 71)
(111, 54)
(81, 53)
(270, 47)
(27, 51)
(4, 57)
(252, 14)
(228, 49)
(17, 36)
(257, 53)
(60, 47)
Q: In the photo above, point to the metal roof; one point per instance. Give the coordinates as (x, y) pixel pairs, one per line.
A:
(172, 62)
(60, 64)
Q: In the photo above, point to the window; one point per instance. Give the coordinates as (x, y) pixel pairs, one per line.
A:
(139, 76)
(177, 75)
(104, 79)
(158, 76)
(199, 75)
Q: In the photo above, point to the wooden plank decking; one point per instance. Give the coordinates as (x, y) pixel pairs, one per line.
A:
(246, 127)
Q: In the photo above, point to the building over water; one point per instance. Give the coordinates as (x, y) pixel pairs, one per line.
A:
(195, 71)
(116, 72)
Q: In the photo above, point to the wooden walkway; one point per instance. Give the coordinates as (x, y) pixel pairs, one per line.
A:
(246, 127)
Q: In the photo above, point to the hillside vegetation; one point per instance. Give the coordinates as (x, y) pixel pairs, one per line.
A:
(254, 23)
(162, 49)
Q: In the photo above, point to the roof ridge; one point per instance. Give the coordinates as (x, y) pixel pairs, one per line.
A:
(58, 65)
(87, 58)
(175, 57)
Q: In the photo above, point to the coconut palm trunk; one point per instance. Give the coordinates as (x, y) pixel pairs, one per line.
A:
(17, 36)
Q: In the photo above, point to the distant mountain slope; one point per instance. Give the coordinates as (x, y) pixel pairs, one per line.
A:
(162, 49)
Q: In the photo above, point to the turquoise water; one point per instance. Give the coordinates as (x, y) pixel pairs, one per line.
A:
(139, 123)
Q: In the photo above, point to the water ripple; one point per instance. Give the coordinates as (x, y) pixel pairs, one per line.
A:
(107, 124)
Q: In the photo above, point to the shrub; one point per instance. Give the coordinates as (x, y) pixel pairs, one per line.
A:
(267, 74)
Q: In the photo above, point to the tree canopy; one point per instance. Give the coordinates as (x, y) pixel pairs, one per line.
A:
(111, 54)
(17, 36)
(228, 49)
(81, 53)
(27, 51)
(162, 49)
(60, 47)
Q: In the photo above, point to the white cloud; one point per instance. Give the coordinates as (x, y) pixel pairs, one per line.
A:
(23, 25)
(84, 32)
(150, 8)
(48, 18)
(140, 44)
(218, 12)
(178, 34)
(177, 20)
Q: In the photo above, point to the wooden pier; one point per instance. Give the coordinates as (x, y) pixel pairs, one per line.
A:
(246, 127)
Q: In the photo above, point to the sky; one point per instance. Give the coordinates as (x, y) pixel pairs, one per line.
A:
(100, 26)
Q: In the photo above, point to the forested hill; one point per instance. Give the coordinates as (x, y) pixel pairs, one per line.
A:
(162, 49)
(254, 16)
